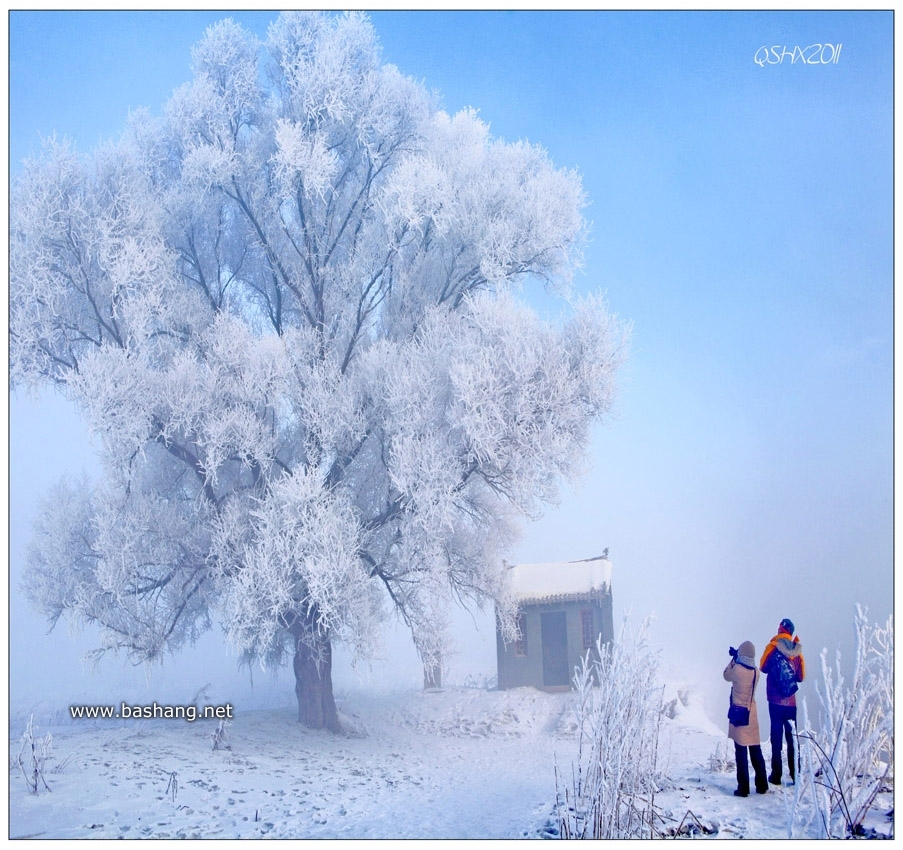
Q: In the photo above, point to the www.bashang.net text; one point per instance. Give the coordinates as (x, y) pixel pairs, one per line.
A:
(150, 712)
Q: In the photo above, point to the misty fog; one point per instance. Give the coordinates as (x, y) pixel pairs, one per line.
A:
(742, 221)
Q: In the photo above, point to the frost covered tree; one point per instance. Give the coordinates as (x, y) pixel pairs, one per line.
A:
(289, 308)
(847, 755)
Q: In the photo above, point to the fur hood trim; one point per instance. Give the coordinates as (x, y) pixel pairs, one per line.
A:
(790, 648)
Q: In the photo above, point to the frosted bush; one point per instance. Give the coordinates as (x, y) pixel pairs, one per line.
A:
(619, 714)
(33, 756)
(847, 755)
(723, 760)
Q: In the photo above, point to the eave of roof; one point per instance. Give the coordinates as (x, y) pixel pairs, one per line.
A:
(561, 580)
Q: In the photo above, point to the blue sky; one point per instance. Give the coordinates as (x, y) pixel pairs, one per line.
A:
(742, 220)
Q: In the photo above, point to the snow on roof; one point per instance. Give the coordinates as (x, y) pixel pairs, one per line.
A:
(560, 579)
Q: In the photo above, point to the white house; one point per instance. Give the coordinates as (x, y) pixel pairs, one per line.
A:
(563, 609)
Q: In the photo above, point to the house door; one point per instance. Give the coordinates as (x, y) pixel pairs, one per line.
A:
(554, 650)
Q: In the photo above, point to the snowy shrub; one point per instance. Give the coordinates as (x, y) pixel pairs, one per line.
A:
(219, 736)
(172, 786)
(848, 758)
(33, 756)
(619, 710)
(481, 681)
(723, 759)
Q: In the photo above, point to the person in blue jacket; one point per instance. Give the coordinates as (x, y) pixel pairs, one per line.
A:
(783, 651)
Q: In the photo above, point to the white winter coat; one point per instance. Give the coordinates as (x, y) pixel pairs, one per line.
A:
(744, 682)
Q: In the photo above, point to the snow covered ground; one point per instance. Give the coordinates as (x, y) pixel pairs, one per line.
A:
(457, 763)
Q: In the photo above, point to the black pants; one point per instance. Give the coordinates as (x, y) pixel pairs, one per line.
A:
(758, 761)
(782, 716)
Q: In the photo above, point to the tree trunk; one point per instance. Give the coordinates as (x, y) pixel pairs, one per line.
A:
(313, 685)
(432, 675)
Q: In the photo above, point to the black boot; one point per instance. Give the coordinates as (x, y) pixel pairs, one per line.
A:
(776, 739)
(758, 762)
(742, 771)
(775, 776)
(791, 759)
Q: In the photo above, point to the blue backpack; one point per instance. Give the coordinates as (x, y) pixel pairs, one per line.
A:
(781, 674)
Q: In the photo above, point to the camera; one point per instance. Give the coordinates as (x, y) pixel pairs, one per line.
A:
(733, 653)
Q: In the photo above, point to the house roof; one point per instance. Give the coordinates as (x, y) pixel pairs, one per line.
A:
(560, 580)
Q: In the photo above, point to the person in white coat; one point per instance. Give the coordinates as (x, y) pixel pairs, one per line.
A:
(743, 676)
